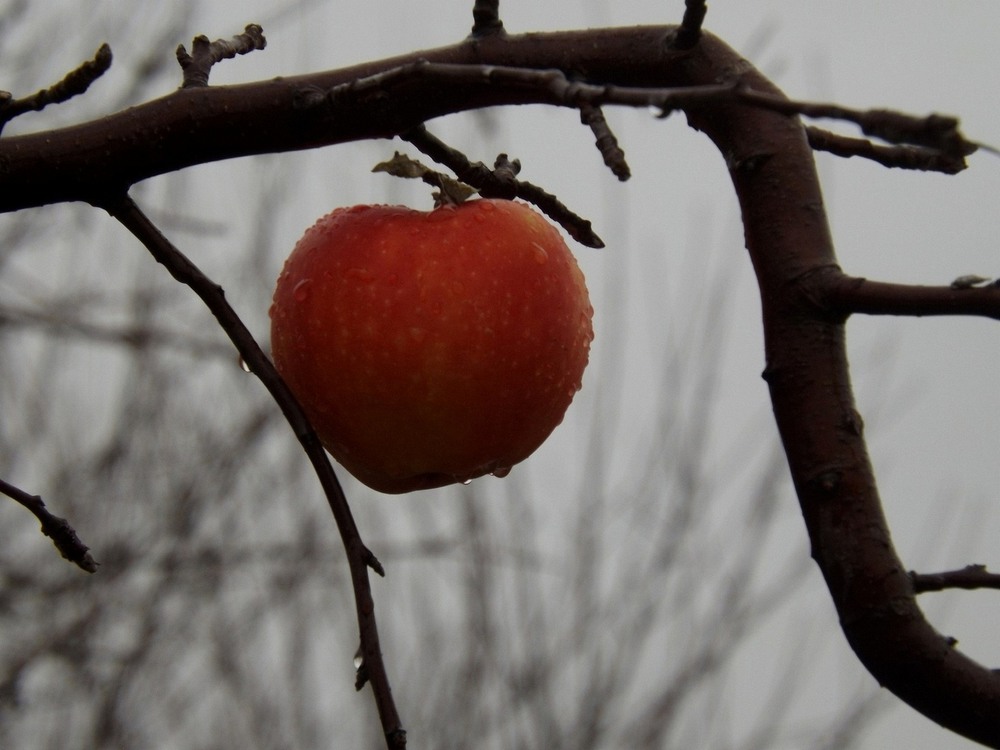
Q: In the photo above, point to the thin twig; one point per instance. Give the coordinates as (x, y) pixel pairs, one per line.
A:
(606, 141)
(204, 54)
(932, 143)
(501, 182)
(359, 557)
(689, 32)
(969, 577)
(899, 157)
(937, 132)
(74, 83)
(851, 295)
(486, 19)
(63, 536)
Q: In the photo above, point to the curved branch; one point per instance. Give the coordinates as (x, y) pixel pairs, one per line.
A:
(772, 169)
(359, 557)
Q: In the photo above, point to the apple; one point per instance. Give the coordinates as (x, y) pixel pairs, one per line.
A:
(432, 347)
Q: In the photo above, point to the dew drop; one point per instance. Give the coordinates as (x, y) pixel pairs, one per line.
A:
(301, 291)
(501, 471)
(243, 364)
(359, 659)
(487, 206)
(541, 257)
(467, 481)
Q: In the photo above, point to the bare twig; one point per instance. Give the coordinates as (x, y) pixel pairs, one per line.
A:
(606, 141)
(849, 295)
(359, 557)
(969, 577)
(929, 143)
(63, 535)
(900, 157)
(486, 19)
(937, 132)
(76, 82)
(501, 182)
(204, 54)
(689, 32)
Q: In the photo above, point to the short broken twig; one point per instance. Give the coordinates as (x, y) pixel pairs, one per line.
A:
(486, 19)
(204, 54)
(969, 577)
(63, 536)
(688, 33)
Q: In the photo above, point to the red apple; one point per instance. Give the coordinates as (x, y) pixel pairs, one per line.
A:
(432, 347)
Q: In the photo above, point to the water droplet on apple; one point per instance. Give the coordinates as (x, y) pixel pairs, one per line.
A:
(541, 256)
(501, 471)
(486, 206)
(301, 291)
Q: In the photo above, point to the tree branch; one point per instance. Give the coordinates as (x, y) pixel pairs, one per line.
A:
(76, 82)
(969, 577)
(847, 295)
(901, 157)
(689, 32)
(501, 182)
(359, 557)
(63, 535)
(805, 297)
(486, 19)
(204, 54)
